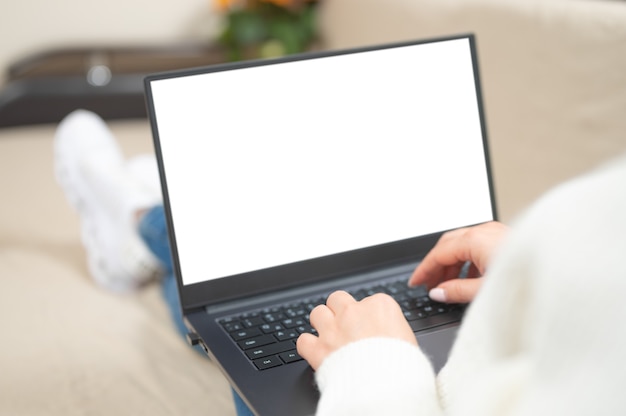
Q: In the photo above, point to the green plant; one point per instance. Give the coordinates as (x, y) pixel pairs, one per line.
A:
(267, 28)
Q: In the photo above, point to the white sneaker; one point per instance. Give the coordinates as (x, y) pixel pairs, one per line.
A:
(91, 170)
(145, 170)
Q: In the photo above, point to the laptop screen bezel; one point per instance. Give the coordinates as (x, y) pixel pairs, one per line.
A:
(312, 270)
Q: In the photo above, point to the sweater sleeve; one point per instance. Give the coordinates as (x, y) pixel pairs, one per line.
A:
(542, 337)
(377, 376)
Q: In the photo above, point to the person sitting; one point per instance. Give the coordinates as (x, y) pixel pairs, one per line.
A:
(541, 336)
(544, 335)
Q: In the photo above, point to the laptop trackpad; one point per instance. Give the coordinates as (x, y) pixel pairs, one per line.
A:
(436, 345)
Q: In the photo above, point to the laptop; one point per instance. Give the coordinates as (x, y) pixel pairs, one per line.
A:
(287, 179)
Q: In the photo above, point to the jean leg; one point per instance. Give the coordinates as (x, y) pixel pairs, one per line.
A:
(169, 290)
(153, 231)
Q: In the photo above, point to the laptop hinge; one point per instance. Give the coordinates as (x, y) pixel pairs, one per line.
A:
(282, 296)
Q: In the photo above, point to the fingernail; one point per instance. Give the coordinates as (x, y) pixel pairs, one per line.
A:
(437, 294)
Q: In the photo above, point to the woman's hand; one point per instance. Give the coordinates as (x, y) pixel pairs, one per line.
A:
(344, 320)
(440, 269)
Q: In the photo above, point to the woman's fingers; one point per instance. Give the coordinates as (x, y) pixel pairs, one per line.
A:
(444, 262)
(456, 290)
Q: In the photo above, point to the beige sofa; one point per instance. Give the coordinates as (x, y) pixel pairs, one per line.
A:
(554, 77)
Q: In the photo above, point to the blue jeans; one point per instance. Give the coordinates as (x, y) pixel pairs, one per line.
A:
(153, 231)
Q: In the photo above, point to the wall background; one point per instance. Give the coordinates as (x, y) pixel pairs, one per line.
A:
(30, 26)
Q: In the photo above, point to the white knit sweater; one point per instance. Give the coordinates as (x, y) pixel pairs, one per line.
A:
(545, 336)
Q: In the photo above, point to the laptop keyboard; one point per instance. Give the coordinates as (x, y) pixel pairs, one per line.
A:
(268, 336)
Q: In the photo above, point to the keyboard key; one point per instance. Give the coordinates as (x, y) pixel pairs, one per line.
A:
(256, 342)
(420, 303)
(252, 322)
(290, 356)
(292, 323)
(310, 304)
(285, 335)
(270, 349)
(273, 317)
(417, 292)
(233, 326)
(289, 323)
(306, 328)
(406, 305)
(268, 362)
(400, 297)
(413, 315)
(437, 309)
(396, 288)
(295, 312)
(270, 328)
(245, 333)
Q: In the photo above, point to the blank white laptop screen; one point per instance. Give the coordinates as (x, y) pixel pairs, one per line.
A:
(280, 163)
